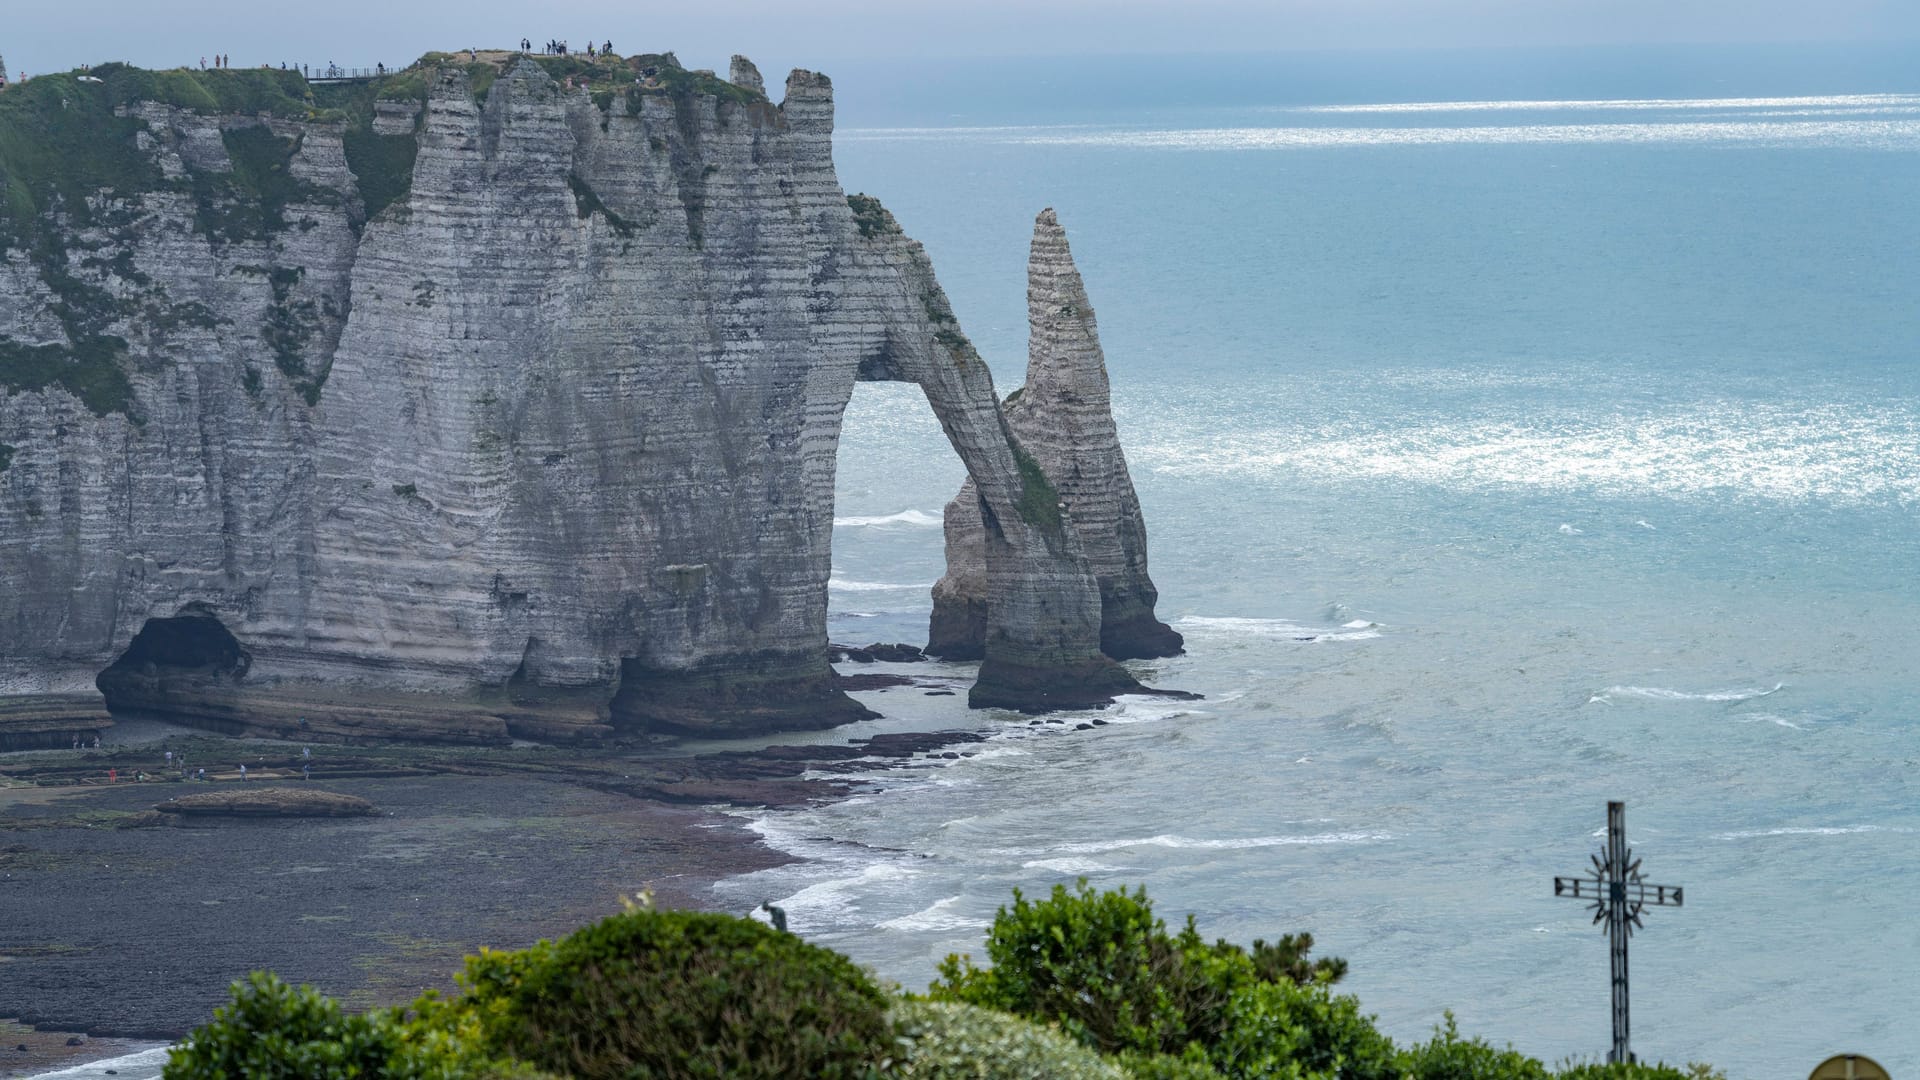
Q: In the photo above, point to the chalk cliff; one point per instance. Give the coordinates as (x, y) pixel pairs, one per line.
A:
(1063, 417)
(471, 404)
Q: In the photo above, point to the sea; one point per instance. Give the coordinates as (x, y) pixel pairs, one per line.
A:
(1516, 431)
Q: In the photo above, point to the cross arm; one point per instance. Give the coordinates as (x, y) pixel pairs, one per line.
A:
(1587, 888)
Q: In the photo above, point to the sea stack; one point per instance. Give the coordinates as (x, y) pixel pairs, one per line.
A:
(1062, 420)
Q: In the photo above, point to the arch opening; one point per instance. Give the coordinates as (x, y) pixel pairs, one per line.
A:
(895, 470)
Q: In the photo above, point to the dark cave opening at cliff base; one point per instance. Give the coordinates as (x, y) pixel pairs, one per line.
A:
(165, 658)
(894, 474)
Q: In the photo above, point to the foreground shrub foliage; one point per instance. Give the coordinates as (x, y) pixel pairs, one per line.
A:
(273, 1030)
(945, 1040)
(1085, 985)
(1104, 968)
(679, 994)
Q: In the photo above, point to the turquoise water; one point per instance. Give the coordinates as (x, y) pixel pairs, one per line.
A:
(1499, 458)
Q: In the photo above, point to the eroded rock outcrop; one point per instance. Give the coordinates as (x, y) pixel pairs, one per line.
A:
(1063, 419)
(479, 413)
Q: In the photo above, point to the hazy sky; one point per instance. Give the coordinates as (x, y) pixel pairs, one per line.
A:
(785, 33)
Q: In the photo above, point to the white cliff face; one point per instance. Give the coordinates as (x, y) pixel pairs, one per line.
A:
(1063, 418)
(542, 446)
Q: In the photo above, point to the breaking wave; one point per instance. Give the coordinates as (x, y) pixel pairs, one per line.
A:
(1809, 830)
(845, 585)
(938, 915)
(1661, 693)
(1354, 630)
(1167, 840)
(918, 519)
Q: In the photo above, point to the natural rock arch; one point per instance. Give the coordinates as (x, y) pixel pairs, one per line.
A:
(555, 456)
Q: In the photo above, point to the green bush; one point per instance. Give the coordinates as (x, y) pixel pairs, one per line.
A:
(1449, 1057)
(1284, 1029)
(273, 1030)
(1192, 1066)
(1287, 959)
(944, 1040)
(1100, 965)
(679, 994)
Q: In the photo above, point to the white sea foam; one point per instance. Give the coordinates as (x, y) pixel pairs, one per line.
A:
(1810, 830)
(1070, 866)
(1568, 530)
(1145, 708)
(1770, 718)
(993, 752)
(141, 1065)
(938, 915)
(833, 899)
(844, 585)
(1661, 693)
(1228, 626)
(1167, 840)
(913, 518)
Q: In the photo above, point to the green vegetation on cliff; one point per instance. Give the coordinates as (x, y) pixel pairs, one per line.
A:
(587, 204)
(871, 218)
(92, 369)
(75, 161)
(71, 164)
(1039, 503)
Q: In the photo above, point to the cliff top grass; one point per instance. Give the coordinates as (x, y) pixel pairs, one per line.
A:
(60, 140)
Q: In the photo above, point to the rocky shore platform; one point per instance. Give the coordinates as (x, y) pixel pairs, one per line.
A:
(125, 921)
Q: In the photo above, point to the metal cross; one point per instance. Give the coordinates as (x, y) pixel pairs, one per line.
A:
(1619, 895)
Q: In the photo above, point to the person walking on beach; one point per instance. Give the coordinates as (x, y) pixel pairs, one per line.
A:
(243, 772)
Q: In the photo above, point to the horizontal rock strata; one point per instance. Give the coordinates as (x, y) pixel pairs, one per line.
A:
(496, 409)
(1062, 422)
